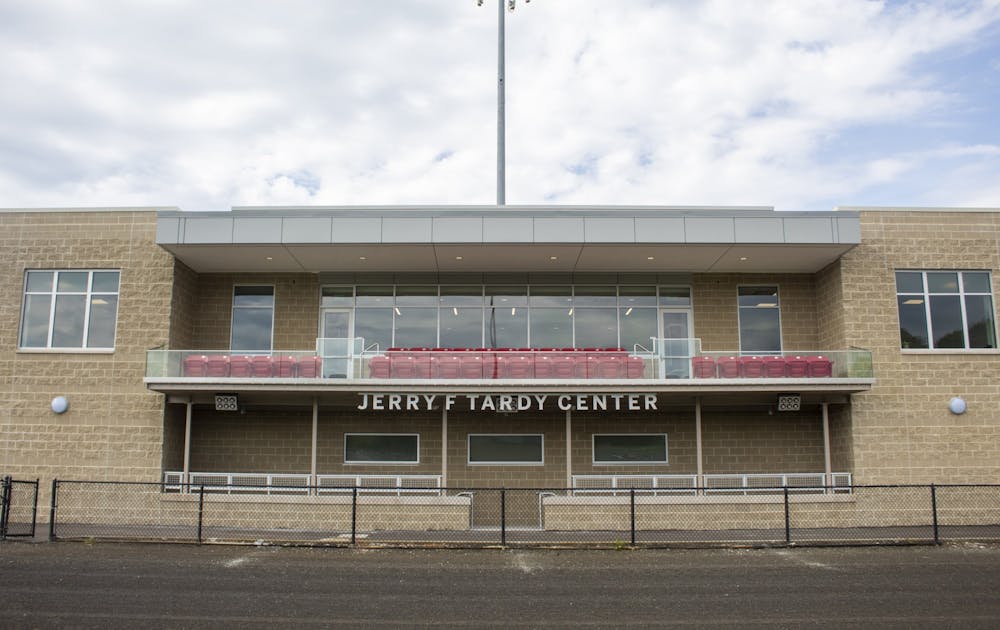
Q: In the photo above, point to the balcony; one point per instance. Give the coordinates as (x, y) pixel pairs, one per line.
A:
(677, 363)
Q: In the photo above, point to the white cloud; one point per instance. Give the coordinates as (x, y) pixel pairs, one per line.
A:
(208, 105)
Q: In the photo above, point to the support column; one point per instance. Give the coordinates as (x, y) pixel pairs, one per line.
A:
(444, 447)
(185, 478)
(700, 479)
(313, 478)
(827, 469)
(569, 449)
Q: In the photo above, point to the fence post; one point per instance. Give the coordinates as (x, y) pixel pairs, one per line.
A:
(34, 509)
(788, 519)
(52, 511)
(354, 515)
(201, 509)
(934, 513)
(5, 506)
(631, 497)
(503, 517)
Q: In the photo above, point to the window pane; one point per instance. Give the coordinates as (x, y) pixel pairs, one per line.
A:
(759, 297)
(105, 282)
(461, 327)
(338, 296)
(551, 296)
(416, 327)
(413, 295)
(625, 449)
(595, 296)
(637, 296)
(374, 296)
(759, 330)
(253, 296)
(381, 448)
(461, 296)
(976, 282)
(72, 281)
(374, 325)
(637, 325)
(982, 328)
(507, 327)
(505, 449)
(506, 296)
(946, 321)
(909, 282)
(912, 322)
(942, 282)
(252, 329)
(551, 328)
(68, 325)
(675, 296)
(596, 327)
(39, 281)
(35, 328)
(101, 328)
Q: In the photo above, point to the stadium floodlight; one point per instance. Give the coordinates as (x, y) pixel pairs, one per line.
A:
(501, 114)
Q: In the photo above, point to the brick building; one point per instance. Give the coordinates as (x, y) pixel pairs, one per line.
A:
(532, 347)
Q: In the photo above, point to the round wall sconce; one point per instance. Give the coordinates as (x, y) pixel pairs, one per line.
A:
(60, 404)
(957, 406)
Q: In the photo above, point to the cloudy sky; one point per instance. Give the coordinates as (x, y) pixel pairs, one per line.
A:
(208, 104)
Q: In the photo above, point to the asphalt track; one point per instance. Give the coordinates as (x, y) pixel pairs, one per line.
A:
(108, 585)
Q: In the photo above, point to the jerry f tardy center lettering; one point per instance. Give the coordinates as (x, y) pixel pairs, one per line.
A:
(507, 402)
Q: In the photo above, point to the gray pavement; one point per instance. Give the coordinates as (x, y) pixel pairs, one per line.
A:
(107, 585)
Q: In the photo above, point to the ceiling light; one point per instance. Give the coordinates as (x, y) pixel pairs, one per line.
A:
(650, 257)
(362, 258)
(570, 312)
(458, 258)
(396, 308)
(742, 258)
(454, 311)
(628, 312)
(270, 258)
(912, 301)
(513, 311)
(553, 258)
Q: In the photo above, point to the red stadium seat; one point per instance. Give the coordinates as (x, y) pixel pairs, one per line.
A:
(378, 367)
(796, 367)
(310, 367)
(729, 367)
(261, 366)
(285, 366)
(820, 366)
(751, 367)
(702, 367)
(635, 367)
(240, 366)
(195, 365)
(774, 367)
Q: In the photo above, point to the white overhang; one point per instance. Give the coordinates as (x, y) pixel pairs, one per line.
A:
(456, 239)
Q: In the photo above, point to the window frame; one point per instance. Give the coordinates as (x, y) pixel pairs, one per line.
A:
(365, 462)
(232, 316)
(739, 321)
(88, 295)
(926, 294)
(468, 450)
(593, 450)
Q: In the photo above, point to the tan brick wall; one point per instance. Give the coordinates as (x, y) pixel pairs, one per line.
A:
(716, 321)
(296, 309)
(114, 426)
(902, 430)
(184, 307)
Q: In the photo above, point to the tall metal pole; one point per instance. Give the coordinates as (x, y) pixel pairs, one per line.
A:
(501, 134)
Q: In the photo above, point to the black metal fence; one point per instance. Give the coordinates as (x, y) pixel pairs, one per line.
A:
(507, 517)
(18, 508)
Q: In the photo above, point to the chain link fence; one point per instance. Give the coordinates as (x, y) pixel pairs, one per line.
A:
(496, 517)
(18, 508)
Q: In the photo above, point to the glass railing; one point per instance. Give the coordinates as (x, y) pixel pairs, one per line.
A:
(669, 359)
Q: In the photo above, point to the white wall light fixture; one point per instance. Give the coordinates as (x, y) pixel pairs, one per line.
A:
(957, 406)
(60, 405)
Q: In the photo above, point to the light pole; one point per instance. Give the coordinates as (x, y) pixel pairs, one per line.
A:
(501, 132)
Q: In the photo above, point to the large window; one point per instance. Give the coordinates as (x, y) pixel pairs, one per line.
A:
(505, 316)
(253, 318)
(381, 448)
(945, 309)
(506, 449)
(760, 320)
(630, 449)
(69, 309)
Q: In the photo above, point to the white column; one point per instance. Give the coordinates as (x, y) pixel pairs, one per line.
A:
(187, 442)
(700, 479)
(444, 447)
(313, 479)
(569, 449)
(827, 470)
